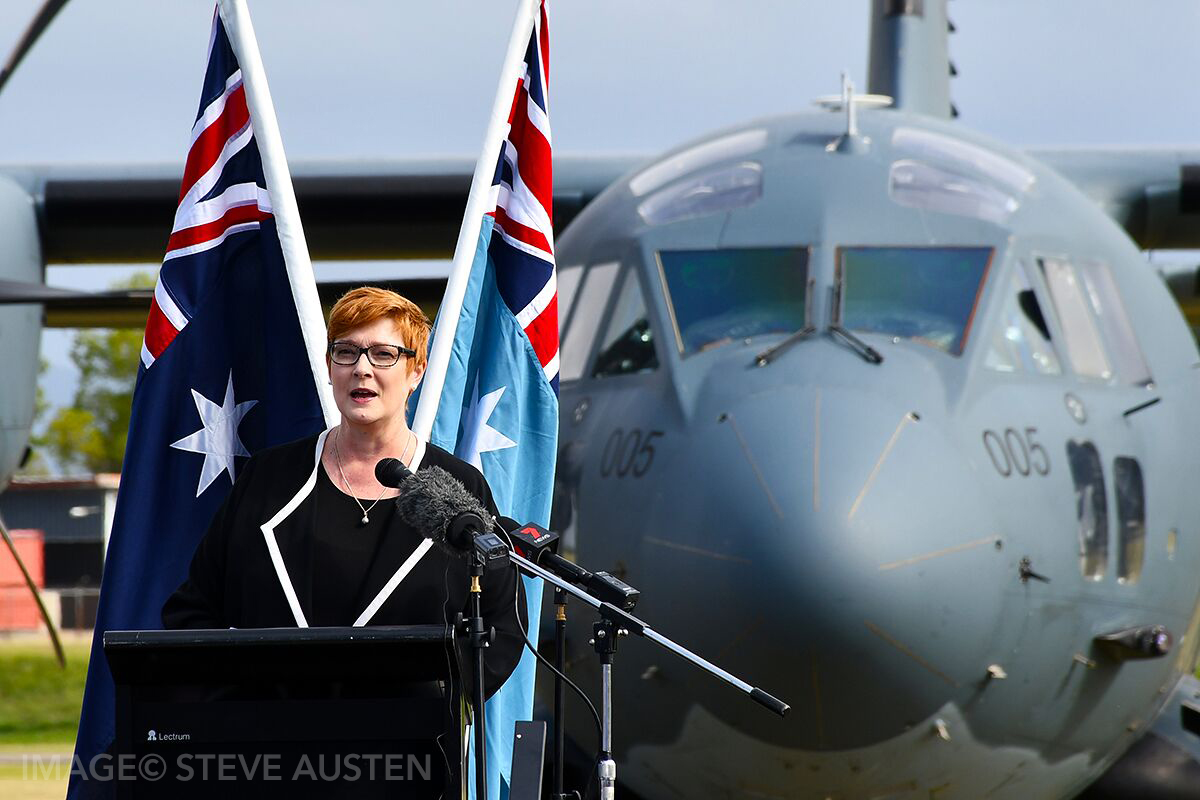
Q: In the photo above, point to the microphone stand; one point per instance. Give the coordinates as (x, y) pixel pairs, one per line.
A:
(604, 640)
(616, 622)
(560, 659)
(480, 639)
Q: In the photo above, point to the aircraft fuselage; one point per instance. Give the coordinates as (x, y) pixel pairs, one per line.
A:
(917, 554)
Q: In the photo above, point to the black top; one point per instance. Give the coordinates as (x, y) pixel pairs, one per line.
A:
(345, 550)
(336, 565)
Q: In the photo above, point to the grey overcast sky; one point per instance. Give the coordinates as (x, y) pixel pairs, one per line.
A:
(116, 82)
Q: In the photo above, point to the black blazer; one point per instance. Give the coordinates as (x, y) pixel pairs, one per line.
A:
(233, 580)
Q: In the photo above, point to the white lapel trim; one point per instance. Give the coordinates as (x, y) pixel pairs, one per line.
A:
(409, 563)
(268, 529)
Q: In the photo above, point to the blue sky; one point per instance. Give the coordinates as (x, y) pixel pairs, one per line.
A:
(115, 82)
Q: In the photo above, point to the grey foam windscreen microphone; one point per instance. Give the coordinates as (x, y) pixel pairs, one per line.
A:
(438, 505)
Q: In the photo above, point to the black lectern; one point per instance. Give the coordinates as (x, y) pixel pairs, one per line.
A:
(287, 712)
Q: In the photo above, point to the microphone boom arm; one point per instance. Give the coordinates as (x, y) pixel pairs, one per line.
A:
(635, 625)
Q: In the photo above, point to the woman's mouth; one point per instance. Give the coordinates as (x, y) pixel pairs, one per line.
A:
(362, 395)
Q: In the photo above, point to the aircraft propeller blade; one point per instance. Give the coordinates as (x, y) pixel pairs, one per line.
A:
(37, 26)
(17, 292)
(127, 308)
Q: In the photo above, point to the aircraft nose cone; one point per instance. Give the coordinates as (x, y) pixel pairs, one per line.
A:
(845, 561)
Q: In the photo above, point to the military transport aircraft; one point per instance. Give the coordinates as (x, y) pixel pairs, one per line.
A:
(881, 414)
(895, 417)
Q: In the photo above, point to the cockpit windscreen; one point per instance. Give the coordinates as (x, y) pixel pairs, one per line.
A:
(926, 294)
(717, 296)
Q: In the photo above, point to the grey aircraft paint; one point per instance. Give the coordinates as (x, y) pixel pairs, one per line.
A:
(917, 554)
(850, 535)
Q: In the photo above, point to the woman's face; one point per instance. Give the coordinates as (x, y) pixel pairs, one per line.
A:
(366, 394)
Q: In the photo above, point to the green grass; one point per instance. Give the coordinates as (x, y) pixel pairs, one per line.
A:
(20, 783)
(39, 701)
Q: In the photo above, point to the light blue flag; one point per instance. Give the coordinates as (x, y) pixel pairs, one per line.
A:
(497, 406)
(499, 412)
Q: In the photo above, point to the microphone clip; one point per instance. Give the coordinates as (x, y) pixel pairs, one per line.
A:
(464, 535)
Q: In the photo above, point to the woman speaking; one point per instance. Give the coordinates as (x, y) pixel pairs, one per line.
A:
(308, 536)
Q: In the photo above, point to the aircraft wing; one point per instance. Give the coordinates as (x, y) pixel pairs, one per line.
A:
(127, 308)
(353, 210)
(1153, 194)
(411, 208)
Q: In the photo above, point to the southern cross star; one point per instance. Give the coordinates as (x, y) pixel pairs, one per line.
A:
(218, 440)
(478, 436)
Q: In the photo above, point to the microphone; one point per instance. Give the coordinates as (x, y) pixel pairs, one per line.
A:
(539, 545)
(529, 540)
(438, 505)
(391, 472)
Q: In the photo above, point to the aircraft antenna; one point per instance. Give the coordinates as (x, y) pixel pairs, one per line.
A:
(852, 141)
(848, 102)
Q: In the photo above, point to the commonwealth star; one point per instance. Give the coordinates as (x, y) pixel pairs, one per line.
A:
(218, 439)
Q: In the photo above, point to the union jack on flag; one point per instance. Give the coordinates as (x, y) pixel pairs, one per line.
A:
(223, 193)
(225, 372)
(498, 408)
(522, 241)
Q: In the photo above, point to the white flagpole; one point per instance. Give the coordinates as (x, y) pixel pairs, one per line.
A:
(236, 16)
(468, 233)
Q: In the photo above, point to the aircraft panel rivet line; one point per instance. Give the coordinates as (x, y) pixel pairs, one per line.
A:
(698, 551)
(908, 651)
(887, 449)
(940, 553)
(758, 473)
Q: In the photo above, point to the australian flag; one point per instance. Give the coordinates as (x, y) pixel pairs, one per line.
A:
(224, 372)
(499, 405)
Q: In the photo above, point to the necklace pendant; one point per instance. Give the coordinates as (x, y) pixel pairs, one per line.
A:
(365, 519)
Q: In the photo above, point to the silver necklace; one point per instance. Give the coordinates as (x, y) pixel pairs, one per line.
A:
(337, 454)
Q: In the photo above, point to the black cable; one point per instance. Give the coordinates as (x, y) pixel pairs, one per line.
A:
(545, 662)
(568, 681)
(451, 695)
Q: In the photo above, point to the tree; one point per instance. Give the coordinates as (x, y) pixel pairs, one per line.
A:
(91, 434)
(35, 462)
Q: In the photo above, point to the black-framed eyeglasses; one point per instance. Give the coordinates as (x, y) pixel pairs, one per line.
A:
(347, 354)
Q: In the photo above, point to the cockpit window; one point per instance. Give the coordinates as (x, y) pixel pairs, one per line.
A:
(580, 332)
(718, 296)
(568, 282)
(628, 342)
(1105, 300)
(1021, 341)
(1085, 349)
(927, 294)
